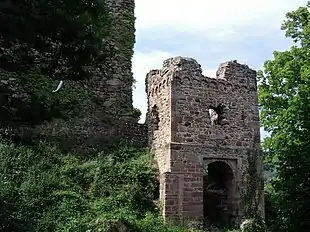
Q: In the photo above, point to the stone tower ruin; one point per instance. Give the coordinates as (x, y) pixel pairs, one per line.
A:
(202, 131)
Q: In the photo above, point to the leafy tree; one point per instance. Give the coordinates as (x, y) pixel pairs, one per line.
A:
(42, 42)
(284, 95)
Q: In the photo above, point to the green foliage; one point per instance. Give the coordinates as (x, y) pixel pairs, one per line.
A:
(252, 196)
(127, 40)
(45, 190)
(271, 210)
(284, 97)
(63, 38)
(137, 113)
(38, 103)
(42, 42)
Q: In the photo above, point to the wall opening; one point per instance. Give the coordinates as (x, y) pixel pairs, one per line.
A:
(217, 188)
(218, 114)
(155, 117)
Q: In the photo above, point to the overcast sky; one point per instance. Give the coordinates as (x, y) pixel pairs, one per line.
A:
(209, 31)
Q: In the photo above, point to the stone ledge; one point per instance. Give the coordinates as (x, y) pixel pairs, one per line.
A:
(176, 144)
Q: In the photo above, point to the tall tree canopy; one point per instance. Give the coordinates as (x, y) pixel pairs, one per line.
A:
(42, 42)
(284, 95)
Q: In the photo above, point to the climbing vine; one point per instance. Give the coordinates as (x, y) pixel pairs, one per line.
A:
(252, 196)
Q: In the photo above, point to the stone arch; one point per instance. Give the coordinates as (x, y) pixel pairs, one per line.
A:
(236, 89)
(218, 191)
(221, 86)
(205, 83)
(229, 87)
(244, 89)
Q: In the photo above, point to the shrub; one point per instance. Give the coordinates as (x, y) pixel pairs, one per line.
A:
(45, 190)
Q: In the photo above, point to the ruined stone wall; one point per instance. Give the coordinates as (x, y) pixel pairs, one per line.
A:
(106, 117)
(194, 143)
(116, 92)
(158, 121)
(193, 96)
(90, 135)
(234, 90)
(159, 108)
(111, 92)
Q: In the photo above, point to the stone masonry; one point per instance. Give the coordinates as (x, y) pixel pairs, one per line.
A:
(111, 91)
(116, 92)
(202, 166)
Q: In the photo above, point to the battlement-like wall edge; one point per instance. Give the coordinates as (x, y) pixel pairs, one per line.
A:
(230, 75)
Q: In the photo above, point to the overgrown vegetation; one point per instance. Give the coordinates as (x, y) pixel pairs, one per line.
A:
(45, 190)
(43, 42)
(252, 197)
(61, 38)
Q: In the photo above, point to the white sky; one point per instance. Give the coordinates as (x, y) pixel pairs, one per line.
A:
(218, 20)
(204, 16)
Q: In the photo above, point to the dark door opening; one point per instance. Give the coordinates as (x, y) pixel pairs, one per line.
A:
(217, 194)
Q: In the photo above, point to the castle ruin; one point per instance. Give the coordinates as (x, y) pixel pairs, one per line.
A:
(202, 160)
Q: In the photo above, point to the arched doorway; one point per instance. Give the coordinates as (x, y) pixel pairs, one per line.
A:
(218, 192)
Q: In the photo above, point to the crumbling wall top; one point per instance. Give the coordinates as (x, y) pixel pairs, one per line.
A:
(229, 71)
(234, 71)
(182, 62)
(173, 65)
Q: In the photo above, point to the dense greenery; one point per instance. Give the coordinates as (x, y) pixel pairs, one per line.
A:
(284, 95)
(63, 37)
(41, 43)
(44, 190)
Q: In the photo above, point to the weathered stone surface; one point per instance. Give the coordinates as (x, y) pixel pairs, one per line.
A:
(116, 92)
(187, 145)
(111, 91)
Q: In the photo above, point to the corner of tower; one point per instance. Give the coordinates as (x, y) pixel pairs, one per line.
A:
(237, 73)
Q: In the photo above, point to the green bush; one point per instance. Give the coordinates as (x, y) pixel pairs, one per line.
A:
(45, 190)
